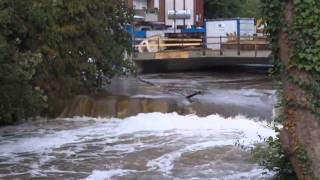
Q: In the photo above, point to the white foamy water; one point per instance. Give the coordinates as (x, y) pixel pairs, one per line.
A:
(150, 146)
(102, 175)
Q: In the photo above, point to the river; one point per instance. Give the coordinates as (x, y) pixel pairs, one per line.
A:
(191, 138)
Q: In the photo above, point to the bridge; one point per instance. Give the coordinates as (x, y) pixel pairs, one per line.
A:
(184, 54)
(199, 59)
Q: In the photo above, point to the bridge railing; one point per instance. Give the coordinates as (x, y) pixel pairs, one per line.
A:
(249, 46)
(236, 44)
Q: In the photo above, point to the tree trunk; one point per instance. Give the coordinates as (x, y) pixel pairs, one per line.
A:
(301, 128)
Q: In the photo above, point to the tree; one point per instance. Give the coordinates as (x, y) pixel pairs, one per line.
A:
(19, 99)
(232, 9)
(79, 45)
(294, 31)
(251, 8)
(221, 9)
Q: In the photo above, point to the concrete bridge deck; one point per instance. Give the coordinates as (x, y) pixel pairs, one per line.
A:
(201, 59)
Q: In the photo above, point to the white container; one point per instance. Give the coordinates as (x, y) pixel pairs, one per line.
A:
(215, 29)
(247, 27)
(221, 28)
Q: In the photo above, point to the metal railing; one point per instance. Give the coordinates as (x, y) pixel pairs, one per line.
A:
(205, 44)
(236, 43)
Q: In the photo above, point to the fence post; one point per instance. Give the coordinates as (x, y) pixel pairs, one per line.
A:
(238, 45)
(221, 52)
(183, 38)
(159, 44)
(203, 46)
(255, 47)
(134, 46)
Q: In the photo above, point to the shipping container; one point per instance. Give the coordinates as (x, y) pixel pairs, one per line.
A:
(242, 27)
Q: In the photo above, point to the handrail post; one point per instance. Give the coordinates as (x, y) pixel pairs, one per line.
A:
(238, 45)
(203, 46)
(159, 44)
(183, 39)
(255, 47)
(134, 45)
(221, 52)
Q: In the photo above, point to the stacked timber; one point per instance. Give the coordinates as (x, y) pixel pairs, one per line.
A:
(158, 43)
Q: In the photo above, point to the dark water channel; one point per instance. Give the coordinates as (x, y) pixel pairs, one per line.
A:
(150, 127)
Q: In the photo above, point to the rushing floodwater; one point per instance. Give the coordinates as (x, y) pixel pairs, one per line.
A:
(150, 145)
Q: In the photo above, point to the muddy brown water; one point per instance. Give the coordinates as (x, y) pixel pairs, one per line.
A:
(229, 94)
(146, 128)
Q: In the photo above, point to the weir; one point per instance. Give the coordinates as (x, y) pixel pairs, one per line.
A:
(156, 126)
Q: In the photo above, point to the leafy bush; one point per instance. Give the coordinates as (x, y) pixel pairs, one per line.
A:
(270, 155)
(62, 47)
(19, 98)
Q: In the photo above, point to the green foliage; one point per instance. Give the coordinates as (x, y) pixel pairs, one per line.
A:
(19, 99)
(251, 8)
(271, 156)
(232, 9)
(64, 47)
(272, 12)
(304, 36)
(221, 9)
(305, 162)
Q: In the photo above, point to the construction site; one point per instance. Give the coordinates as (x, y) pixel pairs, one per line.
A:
(177, 30)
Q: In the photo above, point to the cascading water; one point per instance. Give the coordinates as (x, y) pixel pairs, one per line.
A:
(147, 146)
(150, 145)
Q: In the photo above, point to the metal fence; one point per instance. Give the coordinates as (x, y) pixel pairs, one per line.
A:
(239, 45)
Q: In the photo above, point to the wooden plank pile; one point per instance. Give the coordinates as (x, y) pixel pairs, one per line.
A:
(158, 43)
